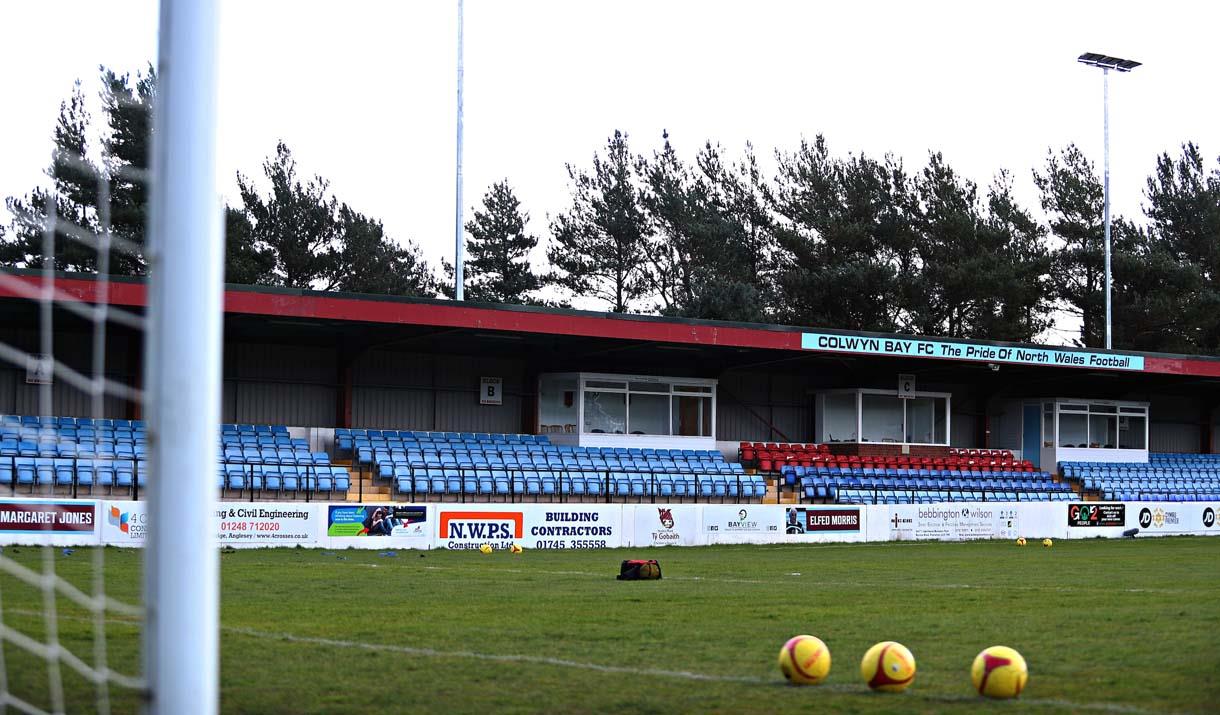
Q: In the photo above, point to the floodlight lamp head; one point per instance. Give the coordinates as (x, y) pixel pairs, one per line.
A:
(1096, 59)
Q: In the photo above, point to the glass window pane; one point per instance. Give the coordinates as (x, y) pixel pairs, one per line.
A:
(921, 420)
(662, 387)
(1132, 433)
(1107, 409)
(693, 388)
(557, 407)
(881, 418)
(649, 414)
(605, 412)
(606, 384)
(1103, 431)
(1048, 429)
(1073, 430)
(839, 418)
(692, 416)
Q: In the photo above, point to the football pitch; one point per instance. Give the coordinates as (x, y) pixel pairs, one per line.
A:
(1128, 626)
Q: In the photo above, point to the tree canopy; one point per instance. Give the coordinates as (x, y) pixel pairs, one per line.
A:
(840, 240)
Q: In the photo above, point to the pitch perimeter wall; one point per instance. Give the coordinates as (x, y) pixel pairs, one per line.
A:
(592, 526)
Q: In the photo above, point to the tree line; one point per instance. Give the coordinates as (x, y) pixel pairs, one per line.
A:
(827, 239)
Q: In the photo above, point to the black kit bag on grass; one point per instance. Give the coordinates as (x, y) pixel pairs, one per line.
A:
(639, 570)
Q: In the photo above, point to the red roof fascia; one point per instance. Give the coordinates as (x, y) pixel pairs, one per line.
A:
(255, 302)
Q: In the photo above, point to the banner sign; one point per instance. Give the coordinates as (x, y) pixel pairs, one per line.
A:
(59, 517)
(125, 523)
(826, 523)
(806, 521)
(1173, 518)
(666, 525)
(376, 520)
(916, 347)
(742, 523)
(953, 521)
(534, 526)
(1086, 514)
(269, 524)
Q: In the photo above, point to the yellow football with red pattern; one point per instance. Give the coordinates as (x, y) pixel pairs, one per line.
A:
(999, 672)
(888, 666)
(804, 660)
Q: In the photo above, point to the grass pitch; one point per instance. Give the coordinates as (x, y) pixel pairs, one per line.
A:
(1106, 626)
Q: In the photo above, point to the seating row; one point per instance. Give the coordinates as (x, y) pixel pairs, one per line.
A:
(251, 455)
(1165, 477)
(531, 485)
(71, 450)
(69, 421)
(387, 467)
(790, 474)
(348, 439)
(35, 472)
(283, 479)
(1009, 485)
(889, 496)
(1149, 495)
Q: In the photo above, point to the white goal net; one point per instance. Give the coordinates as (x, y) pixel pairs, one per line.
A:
(120, 401)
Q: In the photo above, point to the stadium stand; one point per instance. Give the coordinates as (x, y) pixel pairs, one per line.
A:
(514, 467)
(773, 457)
(961, 475)
(1165, 477)
(44, 454)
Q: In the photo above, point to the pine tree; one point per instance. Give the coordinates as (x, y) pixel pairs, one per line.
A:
(74, 193)
(598, 248)
(497, 269)
(297, 221)
(1018, 305)
(699, 251)
(1073, 198)
(844, 239)
(246, 262)
(128, 102)
(368, 261)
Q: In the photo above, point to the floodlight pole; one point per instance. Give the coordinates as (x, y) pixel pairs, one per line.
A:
(457, 229)
(1105, 83)
(1107, 63)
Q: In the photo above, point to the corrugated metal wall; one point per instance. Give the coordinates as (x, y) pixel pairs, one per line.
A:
(394, 390)
(1173, 437)
(1175, 424)
(750, 403)
(280, 384)
(76, 351)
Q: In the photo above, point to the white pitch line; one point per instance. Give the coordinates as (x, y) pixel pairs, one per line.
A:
(1120, 708)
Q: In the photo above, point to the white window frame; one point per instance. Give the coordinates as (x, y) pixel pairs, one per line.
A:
(1078, 406)
(704, 388)
(860, 392)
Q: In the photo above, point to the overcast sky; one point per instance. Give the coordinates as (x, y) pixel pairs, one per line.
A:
(364, 92)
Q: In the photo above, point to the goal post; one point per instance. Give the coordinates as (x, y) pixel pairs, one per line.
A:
(183, 367)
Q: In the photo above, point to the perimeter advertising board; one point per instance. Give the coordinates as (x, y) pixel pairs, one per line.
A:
(665, 525)
(534, 526)
(1173, 518)
(742, 523)
(403, 526)
(265, 524)
(48, 521)
(948, 522)
(825, 523)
